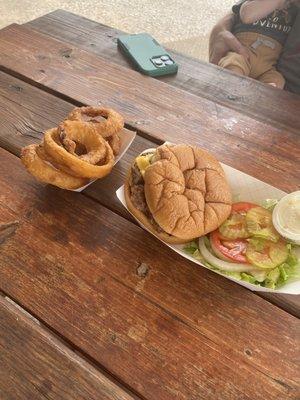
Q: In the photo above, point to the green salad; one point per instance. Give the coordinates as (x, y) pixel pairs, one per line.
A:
(248, 248)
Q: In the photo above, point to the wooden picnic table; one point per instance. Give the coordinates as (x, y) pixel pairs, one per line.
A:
(92, 306)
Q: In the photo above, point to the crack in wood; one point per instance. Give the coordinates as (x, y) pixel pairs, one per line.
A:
(7, 230)
(35, 133)
(16, 88)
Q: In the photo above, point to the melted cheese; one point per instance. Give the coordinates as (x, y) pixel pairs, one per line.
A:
(143, 162)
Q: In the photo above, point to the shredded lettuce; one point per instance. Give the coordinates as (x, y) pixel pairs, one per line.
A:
(272, 279)
(197, 255)
(287, 271)
(260, 276)
(236, 275)
(190, 248)
(248, 278)
(292, 259)
(269, 204)
(193, 250)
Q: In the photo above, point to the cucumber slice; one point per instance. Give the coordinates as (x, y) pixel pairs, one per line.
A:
(259, 224)
(266, 254)
(234, 227)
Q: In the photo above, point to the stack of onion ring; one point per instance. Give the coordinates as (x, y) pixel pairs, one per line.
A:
(81, 148)
(108, 127)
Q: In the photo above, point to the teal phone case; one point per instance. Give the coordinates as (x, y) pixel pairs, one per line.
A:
(147, 55)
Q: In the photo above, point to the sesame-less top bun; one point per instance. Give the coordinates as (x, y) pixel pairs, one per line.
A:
(186, 191)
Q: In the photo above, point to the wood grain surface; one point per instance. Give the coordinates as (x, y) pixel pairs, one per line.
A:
(35, 364)
(173, 331)
(159, 111)
(195, 76)
(159, 324)
(27, 111)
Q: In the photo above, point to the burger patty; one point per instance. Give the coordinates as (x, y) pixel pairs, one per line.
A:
(137, 194)
(137, 190)
(138, 198)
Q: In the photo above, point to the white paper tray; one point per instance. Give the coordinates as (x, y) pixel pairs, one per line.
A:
(244, 188)
(127, 137)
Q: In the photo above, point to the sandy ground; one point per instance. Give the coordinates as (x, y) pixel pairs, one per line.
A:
(180, 24)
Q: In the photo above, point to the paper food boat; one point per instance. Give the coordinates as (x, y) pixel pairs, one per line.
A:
(127, 137)
(244, 188)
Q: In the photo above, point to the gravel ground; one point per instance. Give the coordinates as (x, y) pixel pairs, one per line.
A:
(176, 23)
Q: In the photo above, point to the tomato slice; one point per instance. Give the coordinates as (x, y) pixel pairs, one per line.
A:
(233, 250)
(242, 207)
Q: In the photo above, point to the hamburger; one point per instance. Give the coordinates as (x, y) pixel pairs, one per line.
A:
(178, 192)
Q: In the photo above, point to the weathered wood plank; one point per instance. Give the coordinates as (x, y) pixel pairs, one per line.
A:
(289, 303)
(160, 111)
(195, 76)
(26, 111)
(35, 364)
(178, 331)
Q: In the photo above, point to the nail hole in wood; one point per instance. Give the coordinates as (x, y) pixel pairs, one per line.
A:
(142, 270)
(248, 352)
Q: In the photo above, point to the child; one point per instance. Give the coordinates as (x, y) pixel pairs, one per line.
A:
(262, 26)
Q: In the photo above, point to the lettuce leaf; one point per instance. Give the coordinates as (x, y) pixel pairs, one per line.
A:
(292, 259)
(287, 271)
(274, 279)
(190, 248)
(269, 204)
(197, 255)
(248, 278)
(236, 275)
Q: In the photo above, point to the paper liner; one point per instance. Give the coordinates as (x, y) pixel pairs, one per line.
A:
(127, 137)
(244, 188)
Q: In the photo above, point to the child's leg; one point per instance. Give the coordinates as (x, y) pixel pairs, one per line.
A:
(273, 77)
(236, 63)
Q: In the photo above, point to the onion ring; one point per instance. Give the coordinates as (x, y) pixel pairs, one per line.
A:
(37, 164)
(73, 147)
(68, 144)
(44, 156)
(93, 156)
(80, 133)
(110, 125)
(115, 143)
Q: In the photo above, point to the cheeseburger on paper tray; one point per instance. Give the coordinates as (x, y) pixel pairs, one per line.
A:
(178, 192)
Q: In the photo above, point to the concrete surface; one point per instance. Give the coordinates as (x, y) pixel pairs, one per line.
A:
(180, 24)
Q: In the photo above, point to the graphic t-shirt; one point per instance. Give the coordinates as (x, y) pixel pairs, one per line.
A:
(276, 25)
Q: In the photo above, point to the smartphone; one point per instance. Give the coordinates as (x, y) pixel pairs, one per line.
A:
(147, 55)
